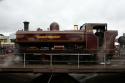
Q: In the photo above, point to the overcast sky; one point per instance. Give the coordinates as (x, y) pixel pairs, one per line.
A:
(41, 13)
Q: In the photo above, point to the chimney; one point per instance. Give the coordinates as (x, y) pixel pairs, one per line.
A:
(26, 26)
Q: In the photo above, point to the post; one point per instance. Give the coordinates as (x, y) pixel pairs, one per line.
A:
(51, 60)
(24, 60)
(104, 59)
(78, 61)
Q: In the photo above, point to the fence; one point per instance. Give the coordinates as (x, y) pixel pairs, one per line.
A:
(51, 60)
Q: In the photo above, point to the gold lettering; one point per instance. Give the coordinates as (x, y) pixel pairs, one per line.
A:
(50, 37)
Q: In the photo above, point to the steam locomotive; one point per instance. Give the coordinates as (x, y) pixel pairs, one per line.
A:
(88, 44)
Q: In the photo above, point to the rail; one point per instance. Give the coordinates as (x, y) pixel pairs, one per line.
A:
(50, 62)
